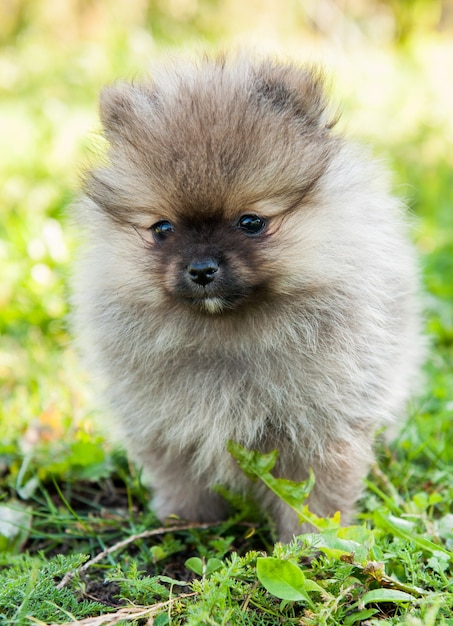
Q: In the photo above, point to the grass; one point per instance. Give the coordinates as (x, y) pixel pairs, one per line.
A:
(77, 539)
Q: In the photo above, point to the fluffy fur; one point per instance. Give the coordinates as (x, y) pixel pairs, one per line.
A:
(301, 335)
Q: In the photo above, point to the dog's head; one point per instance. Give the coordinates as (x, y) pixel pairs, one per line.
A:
(213, 174)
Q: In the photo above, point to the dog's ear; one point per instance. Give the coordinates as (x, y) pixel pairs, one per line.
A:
(124, 108)
(293, 90)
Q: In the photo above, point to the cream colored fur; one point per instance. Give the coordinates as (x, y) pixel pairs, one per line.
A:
(324, 356)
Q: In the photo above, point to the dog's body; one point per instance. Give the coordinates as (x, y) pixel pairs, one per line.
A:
(246, 277)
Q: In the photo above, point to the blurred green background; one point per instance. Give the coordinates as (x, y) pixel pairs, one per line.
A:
(391, 69)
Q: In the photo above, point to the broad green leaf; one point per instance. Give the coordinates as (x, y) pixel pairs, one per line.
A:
(158, 553)
(337, 542)
(15, 524)
(359, 616)
(445, 527)
(195, 564)
(332, 546)
(439, 563)
(310, 585)
(161, 620)
(359, 534)
(213, 565)
(28, 489)
(386, 595)
(283, 579)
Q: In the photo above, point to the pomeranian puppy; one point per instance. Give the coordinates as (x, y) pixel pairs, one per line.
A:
(246, 275)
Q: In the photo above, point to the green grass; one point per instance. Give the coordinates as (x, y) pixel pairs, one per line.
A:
(66, 496)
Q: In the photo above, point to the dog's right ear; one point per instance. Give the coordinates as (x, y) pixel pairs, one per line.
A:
(124, 109)
(297, 91)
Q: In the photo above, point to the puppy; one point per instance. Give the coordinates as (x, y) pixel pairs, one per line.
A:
(245, 275)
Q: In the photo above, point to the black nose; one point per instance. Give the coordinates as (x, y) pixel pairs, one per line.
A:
(203, 272)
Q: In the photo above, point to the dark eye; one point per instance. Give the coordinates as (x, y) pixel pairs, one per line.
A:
(161, 230)
(251, 224)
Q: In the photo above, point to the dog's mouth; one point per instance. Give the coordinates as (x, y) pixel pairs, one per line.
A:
(210, 304)
(215, 304)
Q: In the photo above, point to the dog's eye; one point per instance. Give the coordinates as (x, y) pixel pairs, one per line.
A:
(161, 230)
(251, 224)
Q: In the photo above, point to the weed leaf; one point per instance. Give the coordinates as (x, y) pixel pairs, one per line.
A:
(391, 524)
(213, 565)
(15, 524)
(336, 543)
(386, 595)
(360, 616)
(257, 465)
(195, 564)
(253, 464)
(283, 579)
